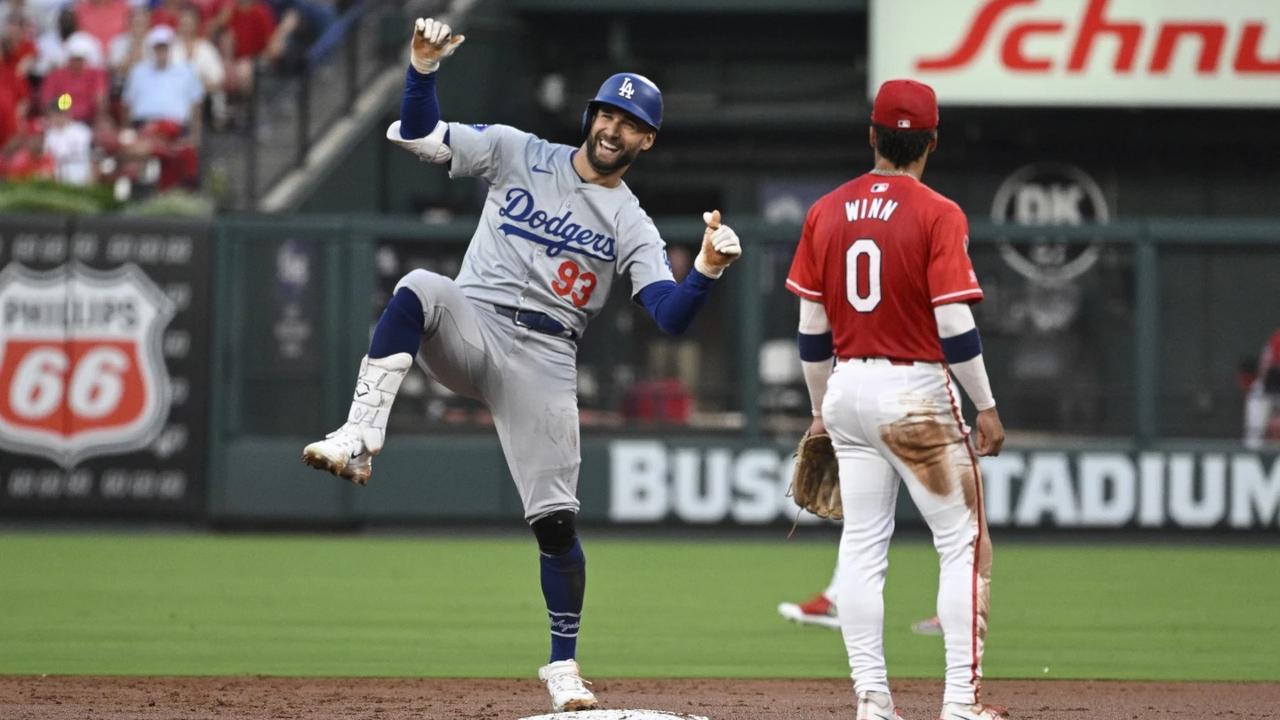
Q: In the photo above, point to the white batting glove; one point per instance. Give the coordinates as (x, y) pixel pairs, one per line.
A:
(720, 246)
(433, 41)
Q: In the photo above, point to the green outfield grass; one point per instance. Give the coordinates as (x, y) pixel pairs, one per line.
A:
(377, 606)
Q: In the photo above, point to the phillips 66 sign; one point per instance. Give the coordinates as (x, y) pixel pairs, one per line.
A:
(80, 361)
(103, 367)
(1082, 52)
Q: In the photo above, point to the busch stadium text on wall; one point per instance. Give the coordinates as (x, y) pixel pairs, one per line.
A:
(103, 366)
(653, 481)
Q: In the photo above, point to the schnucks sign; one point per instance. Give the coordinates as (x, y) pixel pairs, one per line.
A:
(1082, 52)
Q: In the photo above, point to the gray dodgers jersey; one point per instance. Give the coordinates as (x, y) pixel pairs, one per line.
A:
(547, 240)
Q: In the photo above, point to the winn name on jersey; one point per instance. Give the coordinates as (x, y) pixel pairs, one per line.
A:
(879, 252)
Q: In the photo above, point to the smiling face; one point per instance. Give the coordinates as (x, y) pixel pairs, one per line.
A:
(615, 139)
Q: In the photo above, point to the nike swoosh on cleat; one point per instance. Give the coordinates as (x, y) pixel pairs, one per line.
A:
(537, 169)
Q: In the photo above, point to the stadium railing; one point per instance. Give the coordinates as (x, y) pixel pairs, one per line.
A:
(288, 112)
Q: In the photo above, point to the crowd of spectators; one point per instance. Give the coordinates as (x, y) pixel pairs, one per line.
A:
(118, 91)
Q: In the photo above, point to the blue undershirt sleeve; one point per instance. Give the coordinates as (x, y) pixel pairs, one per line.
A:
(814, 348)
(673, 306)
(962, 347)
(419, 108)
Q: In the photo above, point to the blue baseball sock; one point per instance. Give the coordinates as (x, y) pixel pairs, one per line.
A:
(400, 327)
(564, 583)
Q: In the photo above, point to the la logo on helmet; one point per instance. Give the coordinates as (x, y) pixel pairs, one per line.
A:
(627, 89)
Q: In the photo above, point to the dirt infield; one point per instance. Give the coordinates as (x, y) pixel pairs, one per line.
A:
(253, 698)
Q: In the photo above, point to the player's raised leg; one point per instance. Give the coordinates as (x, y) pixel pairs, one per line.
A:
(424, 305)
(348, 451)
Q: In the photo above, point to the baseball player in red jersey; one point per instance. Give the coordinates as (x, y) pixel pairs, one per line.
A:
(885, 284)
(1264, 394)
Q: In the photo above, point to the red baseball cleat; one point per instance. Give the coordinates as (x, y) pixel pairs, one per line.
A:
(818, 610)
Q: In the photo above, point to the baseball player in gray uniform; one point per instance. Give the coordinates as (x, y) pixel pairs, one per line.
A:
(558, 226)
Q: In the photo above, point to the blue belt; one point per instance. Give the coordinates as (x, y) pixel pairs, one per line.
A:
(535, 320)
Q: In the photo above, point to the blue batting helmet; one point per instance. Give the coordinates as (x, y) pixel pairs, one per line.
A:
(634, 93)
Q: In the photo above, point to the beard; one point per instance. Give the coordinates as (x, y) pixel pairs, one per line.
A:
(624, 158)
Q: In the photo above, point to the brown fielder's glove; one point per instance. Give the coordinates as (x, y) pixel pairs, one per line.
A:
(815, 483)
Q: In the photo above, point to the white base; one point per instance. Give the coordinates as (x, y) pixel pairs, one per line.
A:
(616, 715)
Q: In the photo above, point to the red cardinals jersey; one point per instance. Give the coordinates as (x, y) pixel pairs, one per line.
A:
(880, 252)
(1271, 351)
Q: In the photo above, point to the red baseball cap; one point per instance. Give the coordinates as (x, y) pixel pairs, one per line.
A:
(906, 105)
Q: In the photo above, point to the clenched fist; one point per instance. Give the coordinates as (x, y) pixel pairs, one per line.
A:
(720, 246)
(433, 41)
(990, 436)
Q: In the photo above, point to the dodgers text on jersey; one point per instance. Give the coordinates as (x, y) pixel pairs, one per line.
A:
(566, 236)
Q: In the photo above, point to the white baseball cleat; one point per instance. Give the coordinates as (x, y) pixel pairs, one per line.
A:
(568, 689)
(978, 711)
(817, 610)
(876, 706)
(348, 451)
(342, 453)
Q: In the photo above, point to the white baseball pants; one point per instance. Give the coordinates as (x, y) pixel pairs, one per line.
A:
(527, 379)
(889, 420)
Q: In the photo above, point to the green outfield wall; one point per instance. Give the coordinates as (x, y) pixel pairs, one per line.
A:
(1153, 326)
(638, 480)
(174, 370)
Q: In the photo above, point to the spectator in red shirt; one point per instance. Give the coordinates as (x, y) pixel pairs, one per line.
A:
(9, 104)
(14, 91)
(252, 26)
(25, 159)
(17, 46)
(251, 33)
(85, 86)
(103, 19)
